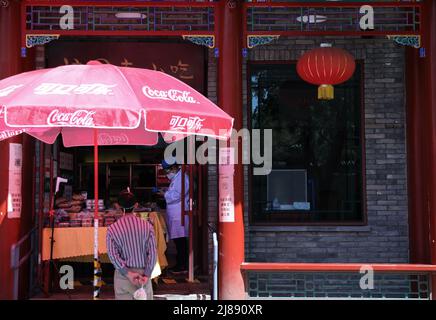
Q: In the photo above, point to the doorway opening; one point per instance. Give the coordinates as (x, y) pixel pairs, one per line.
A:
(67, 239)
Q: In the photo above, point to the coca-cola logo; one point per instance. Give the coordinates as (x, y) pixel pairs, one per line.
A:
(171, 94)
(179, 123)
(10, 133)
(8, 90)
(79, 118)
(111, 139)
(68, 89)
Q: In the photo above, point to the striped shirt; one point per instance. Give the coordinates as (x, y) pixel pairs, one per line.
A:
(131, 244)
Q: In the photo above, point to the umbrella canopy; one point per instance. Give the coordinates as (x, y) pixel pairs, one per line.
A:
(139, 102)
(102, 104)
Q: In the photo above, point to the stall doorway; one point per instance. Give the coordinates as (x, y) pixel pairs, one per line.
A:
(138, 168)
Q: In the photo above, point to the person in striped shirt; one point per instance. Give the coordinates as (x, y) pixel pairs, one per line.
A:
(131, 248)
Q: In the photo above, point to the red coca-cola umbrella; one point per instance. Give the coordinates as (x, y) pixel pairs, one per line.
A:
(102, 104)
(104, 96)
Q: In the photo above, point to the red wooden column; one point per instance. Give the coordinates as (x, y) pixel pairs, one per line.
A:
(429, 116)
(418, 213)
(11, 230)
(231, 234)
(9, 65)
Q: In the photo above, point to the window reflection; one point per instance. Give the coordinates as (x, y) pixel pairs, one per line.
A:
(317, 148)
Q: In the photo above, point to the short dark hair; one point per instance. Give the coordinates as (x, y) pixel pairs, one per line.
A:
(127, 200)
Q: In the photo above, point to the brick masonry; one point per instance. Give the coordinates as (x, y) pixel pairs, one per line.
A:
(212, 169)
(385, 237)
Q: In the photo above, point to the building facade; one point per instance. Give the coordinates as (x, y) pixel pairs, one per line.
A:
(367, 158)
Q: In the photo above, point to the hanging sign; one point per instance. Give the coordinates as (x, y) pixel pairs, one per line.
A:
(226, 191)
(184, 61)
(15, 182)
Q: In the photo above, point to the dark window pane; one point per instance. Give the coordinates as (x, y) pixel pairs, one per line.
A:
(118, 180)
(88, 180)
(317, 148)
(143, 176)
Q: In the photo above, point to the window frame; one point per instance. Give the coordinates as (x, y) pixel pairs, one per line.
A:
(252, 221)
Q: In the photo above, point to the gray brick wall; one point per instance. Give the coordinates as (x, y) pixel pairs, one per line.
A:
(212, 169)
(385, 237)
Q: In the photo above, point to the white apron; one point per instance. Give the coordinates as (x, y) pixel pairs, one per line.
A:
(174, 207)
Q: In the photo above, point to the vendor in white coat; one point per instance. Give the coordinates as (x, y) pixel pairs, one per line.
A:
(173, 197)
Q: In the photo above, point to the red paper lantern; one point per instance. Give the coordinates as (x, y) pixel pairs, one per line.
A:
(325, 67)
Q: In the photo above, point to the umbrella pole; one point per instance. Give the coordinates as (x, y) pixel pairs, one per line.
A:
(97, 268)
(52, 224)
(191, 149)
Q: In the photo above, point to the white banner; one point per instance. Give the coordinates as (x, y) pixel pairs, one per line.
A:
(226, 191)
(15, 180)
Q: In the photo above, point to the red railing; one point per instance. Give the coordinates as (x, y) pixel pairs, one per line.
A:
(98, 18)
(275, 18)
(316, 280)
(351, 267)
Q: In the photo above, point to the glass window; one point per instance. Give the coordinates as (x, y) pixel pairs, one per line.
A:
(143, 176)
(317, 149)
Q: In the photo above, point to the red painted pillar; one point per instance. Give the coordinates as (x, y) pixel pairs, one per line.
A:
(429, 116)
(11, 230)
(231, 234)
(427, 113)
(418, 213)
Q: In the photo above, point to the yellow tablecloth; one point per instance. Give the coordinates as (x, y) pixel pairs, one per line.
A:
(77, 244)
(72, 242)
(160, 230)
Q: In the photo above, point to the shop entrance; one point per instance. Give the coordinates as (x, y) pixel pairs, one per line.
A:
(135, 167)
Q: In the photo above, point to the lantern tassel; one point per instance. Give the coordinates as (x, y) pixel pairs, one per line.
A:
(326, 92)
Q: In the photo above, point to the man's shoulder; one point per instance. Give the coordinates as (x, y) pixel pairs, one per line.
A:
(150, 222)
(116, 224)
(112, 227)
(123, 222)
(144, 221)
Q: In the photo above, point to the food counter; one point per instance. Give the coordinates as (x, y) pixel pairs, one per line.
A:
(72, 242)
(76, 243)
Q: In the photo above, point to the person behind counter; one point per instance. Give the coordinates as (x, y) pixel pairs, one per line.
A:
(173, 197)
(131, 247)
